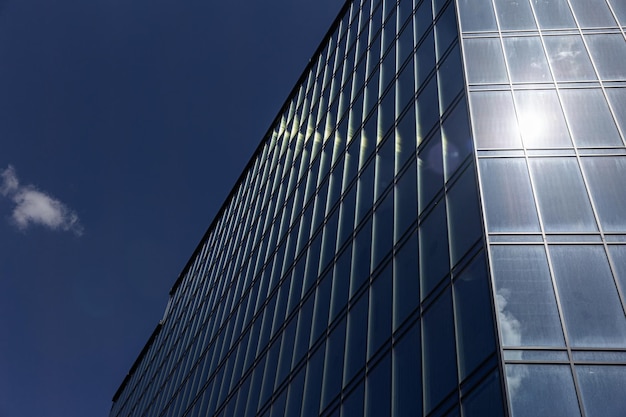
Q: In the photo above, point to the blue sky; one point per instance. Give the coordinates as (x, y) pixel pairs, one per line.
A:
(123, 126)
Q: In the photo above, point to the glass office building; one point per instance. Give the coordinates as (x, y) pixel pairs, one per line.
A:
(434, 225)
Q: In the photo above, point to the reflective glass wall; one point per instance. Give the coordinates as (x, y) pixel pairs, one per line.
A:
(347, 273)
(547, 93)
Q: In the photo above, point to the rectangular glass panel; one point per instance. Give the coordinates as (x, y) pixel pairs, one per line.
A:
(494, 121)
(515, 15)
(508, 199)
(589, 118)
(476, 15)
(609, 54)
(594, 316)
(592, 13)
(569, 59)
(526, 305)
(553, 14)
(541, 119)
(561, 195)
(484, 61)
(541, 390)
(602, 389)
(527, 62)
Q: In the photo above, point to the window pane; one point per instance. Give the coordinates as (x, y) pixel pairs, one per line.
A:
(515, 15)
(553, 14)
(494, 121)
(619, 7)
(378, 389)
(433, 248)
(456, 138)
(592, 13)
(593, 314)
(474, 320)
(589, 118)
(561, 195)
(477, 15)
(380, 311)
(603, 390)
(527, 62)
(541, 119)
(605, 176)
(440, 375)
(609, 54)
(464, 222)
(569, 58)
(430, 171)
(541, 390)
(484, 61)
(407, 371)
(525, 300)
(406, 294)
(508, 201)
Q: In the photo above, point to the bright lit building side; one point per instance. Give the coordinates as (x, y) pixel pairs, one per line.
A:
(433, 225)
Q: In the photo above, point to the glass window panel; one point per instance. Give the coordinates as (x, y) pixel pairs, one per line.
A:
(313, 384)
(406, 136)
(605, 177)
(589, 118)
(617, 98)
(356, 338)
(592, 13)
(423, 20)
(450, 83)
(602, 389)
(494, 121)
(593, 314)
(407, 371)
(456, 138)
(486, 399)
(553, 14)
(405, 204)
(380, 311)
(464, 221)
(333, 364)
(541, 119)
(433, 249)
(569, 58)
(445, 30)
(561, 196)
(527, 62)
(425, 58)
(405, 281)
(430, 171)
(515, 15)
(473, 314)
(618, 257)
(378, 389)
(361, 252)
(526, 305)
(476, 15)
(427, 109)
(440, 374)
(508, 198)
(541, 390)
(484, 61)
(609, 53)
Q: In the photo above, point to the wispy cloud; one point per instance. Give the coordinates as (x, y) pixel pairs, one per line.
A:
(36, 207)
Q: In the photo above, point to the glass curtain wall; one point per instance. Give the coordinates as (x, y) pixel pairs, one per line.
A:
(547, 93)
(346, 274)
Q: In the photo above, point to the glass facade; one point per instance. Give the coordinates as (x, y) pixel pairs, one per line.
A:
(434, 225)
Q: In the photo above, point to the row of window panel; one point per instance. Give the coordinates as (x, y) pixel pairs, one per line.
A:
(547, 14)
(551, 390)
(535, 118)
(560, 191)
(357, 333)
(565, 58)
(589, 295)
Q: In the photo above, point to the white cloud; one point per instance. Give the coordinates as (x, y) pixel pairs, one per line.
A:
(36, 207)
